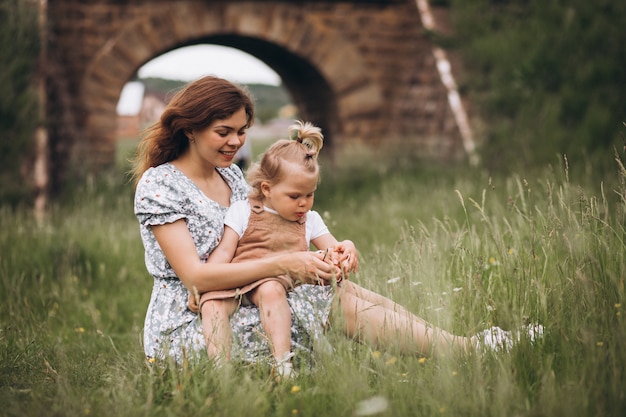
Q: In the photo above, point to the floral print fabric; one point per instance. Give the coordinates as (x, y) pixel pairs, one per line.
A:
(164, 195)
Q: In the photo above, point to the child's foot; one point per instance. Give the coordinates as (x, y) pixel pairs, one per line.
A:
(219, 362)
(284, 368)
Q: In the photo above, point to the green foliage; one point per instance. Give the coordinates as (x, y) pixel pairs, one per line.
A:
(547, 77)
(461, 249)
(166, 88)
(268, 100)
(18, 101)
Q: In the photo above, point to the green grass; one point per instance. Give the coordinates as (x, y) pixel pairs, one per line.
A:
(461, 249)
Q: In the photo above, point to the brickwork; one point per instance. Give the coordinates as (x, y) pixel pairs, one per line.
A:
(362, 70)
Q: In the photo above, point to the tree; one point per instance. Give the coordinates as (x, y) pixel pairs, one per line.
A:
(547, 75)
(18, 98)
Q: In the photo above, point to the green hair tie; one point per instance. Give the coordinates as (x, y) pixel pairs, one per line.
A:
(295, 135)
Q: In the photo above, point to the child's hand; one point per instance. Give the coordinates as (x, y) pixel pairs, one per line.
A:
(347, 256)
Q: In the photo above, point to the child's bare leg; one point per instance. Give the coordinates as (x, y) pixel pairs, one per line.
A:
(271, 298)
(216, 326)
(381, 321)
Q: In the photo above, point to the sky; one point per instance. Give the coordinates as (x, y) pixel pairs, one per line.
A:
(191, 62)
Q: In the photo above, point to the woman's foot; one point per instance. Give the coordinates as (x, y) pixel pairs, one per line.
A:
(496, 339)
(534, 331)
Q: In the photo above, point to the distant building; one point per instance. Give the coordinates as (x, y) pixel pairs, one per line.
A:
(137, 108)
(128, 108)
(153, 105)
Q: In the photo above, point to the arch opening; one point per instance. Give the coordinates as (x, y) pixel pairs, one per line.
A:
(307, 89)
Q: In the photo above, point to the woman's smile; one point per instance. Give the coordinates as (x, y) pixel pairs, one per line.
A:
(228, 155)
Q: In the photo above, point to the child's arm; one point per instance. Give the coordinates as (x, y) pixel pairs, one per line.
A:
(225, 251)
(348, 256)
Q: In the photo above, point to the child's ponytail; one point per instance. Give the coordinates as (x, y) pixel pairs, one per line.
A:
(309, 135)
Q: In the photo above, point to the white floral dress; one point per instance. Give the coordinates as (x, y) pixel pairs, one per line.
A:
(164, 194)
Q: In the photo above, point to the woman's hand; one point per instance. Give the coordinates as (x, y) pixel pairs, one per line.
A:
(309, 267)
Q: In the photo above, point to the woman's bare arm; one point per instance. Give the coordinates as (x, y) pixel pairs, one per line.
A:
(181, 253)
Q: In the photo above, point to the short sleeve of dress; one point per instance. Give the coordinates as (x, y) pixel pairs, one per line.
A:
(158, 198)
(236, 181)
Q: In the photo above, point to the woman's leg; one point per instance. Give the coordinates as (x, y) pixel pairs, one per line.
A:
(378, 299)
(271, 298)
(216, 326)
(378, 320)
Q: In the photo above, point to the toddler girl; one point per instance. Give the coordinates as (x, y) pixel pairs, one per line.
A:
(277, 218)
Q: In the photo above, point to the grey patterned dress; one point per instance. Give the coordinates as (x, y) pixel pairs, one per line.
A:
(164, 194)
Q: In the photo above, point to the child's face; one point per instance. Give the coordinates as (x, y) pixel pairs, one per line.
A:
(292, 197)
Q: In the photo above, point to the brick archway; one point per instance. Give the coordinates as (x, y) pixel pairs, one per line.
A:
(362, 70)
(308, 64)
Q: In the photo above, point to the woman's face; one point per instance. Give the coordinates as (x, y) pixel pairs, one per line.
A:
(293, 196)
(218, 143)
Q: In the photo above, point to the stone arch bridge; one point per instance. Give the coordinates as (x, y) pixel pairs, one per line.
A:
(363, 70)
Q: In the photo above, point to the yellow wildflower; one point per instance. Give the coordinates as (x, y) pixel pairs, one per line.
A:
(295, 389)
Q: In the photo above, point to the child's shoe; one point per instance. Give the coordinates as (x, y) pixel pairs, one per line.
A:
(284, 368)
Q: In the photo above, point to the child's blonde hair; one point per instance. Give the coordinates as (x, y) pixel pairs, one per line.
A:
(302, 148)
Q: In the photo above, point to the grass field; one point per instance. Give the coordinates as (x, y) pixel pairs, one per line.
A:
(461, 249)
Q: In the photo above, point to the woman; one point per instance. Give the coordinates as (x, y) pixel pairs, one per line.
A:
(185, 182)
